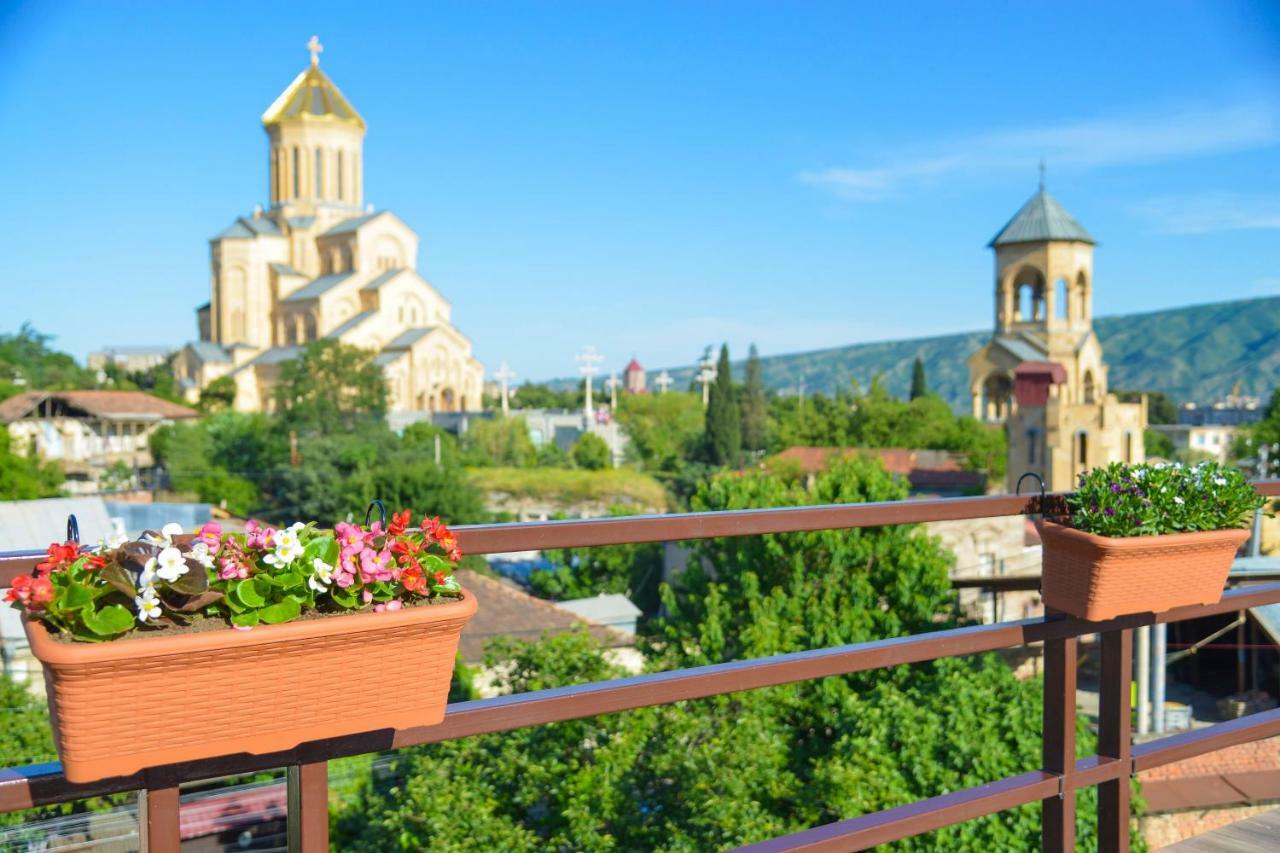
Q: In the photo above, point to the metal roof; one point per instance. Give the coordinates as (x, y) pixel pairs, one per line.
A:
(312, 96)
(406, 339)
(349, 225)
(284, 269)
(317, 287)
(1020, 347)
(383, 279)
(209, 351)
(1041, 218)
(351, 323)
(248, 227)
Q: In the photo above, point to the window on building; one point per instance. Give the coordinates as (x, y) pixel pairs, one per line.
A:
(1032, 438)
(1089, 390)
(1061, 303)
(297, 173)
(319, 173)
(341, 194)
(1082, 449)
(1128, 447)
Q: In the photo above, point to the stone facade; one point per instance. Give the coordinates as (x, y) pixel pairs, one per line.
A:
(317, 265)
(1042, 373)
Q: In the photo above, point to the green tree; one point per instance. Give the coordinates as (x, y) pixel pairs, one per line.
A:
(591, 453)
(329, 388)
(723, 431)
(26, 477)
(919, 385)
(190, 457)
(664, 429)
(499, 441)
(27, 361)
(219, 395)
(531, 396)
(1160, 407)
(755, 409)
(1157, 445)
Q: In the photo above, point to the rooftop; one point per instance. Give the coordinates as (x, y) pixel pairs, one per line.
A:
(1041, 218)
(93, 403)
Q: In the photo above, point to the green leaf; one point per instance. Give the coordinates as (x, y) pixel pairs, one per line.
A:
(246, 592)
(325, 547)
(343, 597)
(120, 578)
(289, 580)
(245, 620)
(76, 596)
(194, 582)
(110, 620)
(284, 610)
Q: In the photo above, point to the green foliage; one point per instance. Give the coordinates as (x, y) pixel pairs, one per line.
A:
(158, 379)
(919, 385)
(877, 419)
(498, 441)
(1157, 445)
(1151, 500)
(219, 395)
(722, 441)
(552, 455)
(530, 396)
(755, 409)
(26, 477)
(188, 451)
(591, 453)
(1265, 432)
(1160, 407)
(28, 362)
(664, 428)
(116, 477)
(568, 487)
(329, 388)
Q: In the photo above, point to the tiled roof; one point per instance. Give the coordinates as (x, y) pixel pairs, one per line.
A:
(209, 351)
(284, 269)
(1041, 218)
(382, 279)
(246, 227)
(350, 324)
(317, 287)
(98, 404)
(348, 225)
(507, 610)
(407, 338)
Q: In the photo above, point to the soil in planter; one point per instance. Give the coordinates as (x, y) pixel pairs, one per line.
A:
(199, 624)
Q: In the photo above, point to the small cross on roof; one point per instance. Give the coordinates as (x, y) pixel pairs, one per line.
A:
(316, 48)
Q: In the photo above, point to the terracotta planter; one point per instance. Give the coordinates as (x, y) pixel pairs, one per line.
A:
(1099, 577)
(122, 706)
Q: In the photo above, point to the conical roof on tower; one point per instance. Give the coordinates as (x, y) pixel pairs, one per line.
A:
(1041, 218)
(312, 96)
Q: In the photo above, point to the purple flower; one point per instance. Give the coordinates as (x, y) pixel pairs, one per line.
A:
(1115, 488)
(1108, 511)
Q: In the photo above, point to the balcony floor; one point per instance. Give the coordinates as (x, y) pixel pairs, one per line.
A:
(1251, 835)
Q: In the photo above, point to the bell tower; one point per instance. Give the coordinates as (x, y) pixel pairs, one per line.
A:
(316, 142)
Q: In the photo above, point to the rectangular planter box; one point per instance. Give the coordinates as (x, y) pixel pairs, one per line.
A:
(1100, 577)
(122, 706)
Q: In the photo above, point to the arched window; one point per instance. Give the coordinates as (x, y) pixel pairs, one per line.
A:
(1128, 447)
(1081, 297)
(1082, 450)
(1090, 392)
(1029, 295)
(341, 187)
(319, 173)
(1033, 437)
(309, 327)
(1061, 300)
(997, 390)
(297, 173)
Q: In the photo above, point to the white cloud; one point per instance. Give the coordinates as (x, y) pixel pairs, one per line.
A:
(1207, 212)
(1136, 139)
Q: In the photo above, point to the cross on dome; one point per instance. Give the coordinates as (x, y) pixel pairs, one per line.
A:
(316, 48)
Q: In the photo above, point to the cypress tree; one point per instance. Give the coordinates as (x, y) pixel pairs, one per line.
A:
(754, 409)
(919, 387)
(723, 433)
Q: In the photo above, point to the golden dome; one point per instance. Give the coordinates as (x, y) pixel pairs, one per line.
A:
(312, 96)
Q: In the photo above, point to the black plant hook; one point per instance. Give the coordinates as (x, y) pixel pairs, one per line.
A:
(382, 512)
(73, 529)
(1017, 490)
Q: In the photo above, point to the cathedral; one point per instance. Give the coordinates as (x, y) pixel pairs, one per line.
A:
(1042, 373)
(318, 265)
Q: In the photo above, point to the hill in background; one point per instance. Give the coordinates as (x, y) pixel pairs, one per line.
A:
(1196, 353)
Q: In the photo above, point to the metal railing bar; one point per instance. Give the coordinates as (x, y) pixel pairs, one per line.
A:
(922, 816)
(1209, 739)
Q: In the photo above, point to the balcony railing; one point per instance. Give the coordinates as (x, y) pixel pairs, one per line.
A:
(1053, 784)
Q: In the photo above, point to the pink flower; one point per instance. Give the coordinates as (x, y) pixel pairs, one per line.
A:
(232, 569)
(366, 596)
(350, 537)
(344, 579)
(375, 565)
(211, 535)
(256, 535)
(394, 604)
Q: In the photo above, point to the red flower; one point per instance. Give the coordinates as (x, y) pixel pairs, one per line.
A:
(41, 591)
(400, 522)
(32, 592)
(59, 557)
(95, 562)
(414, 580)
(441, 578)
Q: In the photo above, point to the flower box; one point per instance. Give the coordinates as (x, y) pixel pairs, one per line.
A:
(1145, 539)
(1101, 577)
(123, 706)
(173, 648)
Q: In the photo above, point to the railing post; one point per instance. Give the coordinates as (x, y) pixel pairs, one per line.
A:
(158, 820)
(1058, 814)
(1114, 730)
(308, 819)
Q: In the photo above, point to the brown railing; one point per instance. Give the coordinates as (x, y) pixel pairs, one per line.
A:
(1053, 784)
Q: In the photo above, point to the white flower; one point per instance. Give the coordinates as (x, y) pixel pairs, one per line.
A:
(1220, 480)
(323, 575)
(1139, 473)
(171, 530)
(148, 605)
(147, 578)
(296, 526)
(287, 550)
(200, 553)
(1178, 500)
(172, 565)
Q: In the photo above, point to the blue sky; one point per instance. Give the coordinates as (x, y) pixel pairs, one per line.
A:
(650, 178)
